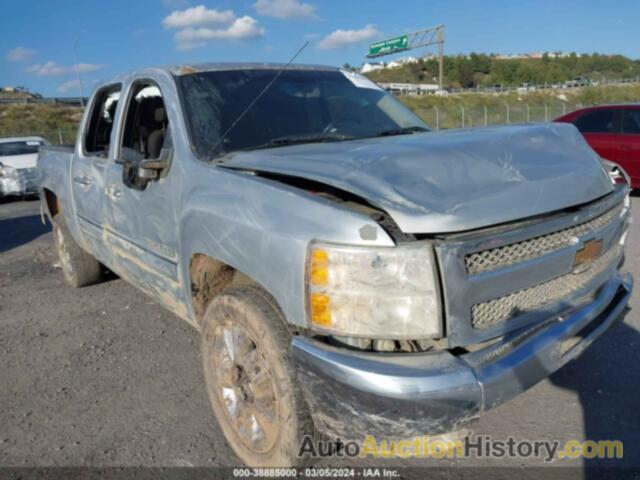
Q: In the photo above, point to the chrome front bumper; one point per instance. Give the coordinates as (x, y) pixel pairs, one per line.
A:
(352, 394)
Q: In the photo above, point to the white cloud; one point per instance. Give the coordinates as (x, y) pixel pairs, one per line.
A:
(69, 86)
(344, 38)
(197, 25)
(284, 8)
(242, 28)
(50, 69)
(199, 15)
(20, 54)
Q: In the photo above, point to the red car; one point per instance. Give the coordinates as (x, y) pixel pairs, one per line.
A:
(614, 132)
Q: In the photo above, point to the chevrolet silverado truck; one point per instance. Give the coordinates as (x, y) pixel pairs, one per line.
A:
(351, 272)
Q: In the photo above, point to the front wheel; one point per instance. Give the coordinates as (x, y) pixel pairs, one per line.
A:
(250, 378)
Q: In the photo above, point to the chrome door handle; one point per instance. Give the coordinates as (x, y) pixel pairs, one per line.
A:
(82, 180)
(114, 192)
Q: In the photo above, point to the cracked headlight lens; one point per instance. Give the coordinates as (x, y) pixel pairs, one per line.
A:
(374, 292)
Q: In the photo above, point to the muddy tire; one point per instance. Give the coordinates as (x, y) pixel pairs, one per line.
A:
(79, 267)
(250, 378)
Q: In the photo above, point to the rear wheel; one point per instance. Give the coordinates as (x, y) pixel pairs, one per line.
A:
(79, 267)
(250, 378)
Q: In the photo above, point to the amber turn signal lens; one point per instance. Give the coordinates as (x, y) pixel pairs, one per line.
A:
(320, 311)
(319, 268)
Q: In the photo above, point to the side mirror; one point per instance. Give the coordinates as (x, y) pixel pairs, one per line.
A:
(151, 168)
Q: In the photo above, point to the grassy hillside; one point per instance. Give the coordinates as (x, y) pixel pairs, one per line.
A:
(15, 94)
(54, 121)
(49, 121)
(480, 69)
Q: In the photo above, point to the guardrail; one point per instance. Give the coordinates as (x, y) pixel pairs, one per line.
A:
(546, 86)
(60, 136)
(419, 89)
(73, 101)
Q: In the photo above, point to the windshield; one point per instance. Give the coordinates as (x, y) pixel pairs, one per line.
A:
(19, 148)
(301, 106)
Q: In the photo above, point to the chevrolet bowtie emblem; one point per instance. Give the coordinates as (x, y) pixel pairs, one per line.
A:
(588, 254)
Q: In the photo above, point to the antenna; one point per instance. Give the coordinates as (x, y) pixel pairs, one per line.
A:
(264, 90)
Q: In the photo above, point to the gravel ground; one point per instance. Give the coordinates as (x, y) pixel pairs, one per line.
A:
(104, 376)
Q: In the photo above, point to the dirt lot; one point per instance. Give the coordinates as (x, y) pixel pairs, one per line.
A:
(103, 376)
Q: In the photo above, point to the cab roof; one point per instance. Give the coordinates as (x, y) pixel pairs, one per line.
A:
(187, 69)
(212, 67)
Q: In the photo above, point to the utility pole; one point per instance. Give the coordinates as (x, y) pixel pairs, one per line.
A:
(440, 40)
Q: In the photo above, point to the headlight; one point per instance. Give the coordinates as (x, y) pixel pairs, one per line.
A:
(374, 292)
(6, 171)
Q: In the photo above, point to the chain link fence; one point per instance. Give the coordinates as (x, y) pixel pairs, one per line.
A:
(441, 118)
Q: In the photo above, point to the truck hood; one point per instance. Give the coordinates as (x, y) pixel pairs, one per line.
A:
(451, 181)
(20, 161)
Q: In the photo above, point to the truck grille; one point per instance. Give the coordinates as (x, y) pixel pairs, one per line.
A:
(507, 255)
(495, 281)
(487, 314)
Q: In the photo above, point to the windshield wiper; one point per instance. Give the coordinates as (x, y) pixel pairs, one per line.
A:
(300, 139)
(402, 131)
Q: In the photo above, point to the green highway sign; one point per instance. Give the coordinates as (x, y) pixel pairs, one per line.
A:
(383, 47)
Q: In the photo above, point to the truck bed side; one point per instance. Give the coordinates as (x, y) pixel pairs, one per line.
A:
(53, 166)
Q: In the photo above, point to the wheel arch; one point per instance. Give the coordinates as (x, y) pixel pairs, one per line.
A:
(52, 204)
(208, 277)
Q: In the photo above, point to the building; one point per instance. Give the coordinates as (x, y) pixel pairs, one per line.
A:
(372, 67)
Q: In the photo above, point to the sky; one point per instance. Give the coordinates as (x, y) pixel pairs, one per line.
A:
(44, 42)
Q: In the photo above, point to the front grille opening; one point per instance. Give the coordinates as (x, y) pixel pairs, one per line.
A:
(487, 314)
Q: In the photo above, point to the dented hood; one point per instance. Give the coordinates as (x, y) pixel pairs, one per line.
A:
(451, 181)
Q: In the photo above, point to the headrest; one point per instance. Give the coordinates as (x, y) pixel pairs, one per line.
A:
(160, 115)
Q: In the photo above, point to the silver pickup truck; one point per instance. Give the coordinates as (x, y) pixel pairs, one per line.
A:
(351, 271)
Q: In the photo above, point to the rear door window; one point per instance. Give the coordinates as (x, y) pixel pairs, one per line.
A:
(597, 121)
(631, 121)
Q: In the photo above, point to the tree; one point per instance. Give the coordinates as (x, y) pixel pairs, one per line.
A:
(479, 69)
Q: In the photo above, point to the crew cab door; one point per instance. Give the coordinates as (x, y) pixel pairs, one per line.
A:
(142, 214)
(601, 129)
(90, 162)
(629, 156)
